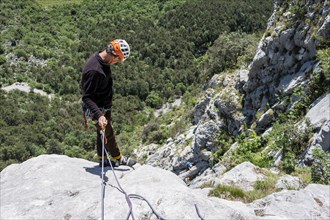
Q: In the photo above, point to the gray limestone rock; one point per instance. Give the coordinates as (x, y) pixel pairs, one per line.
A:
(205, 133)
(289, 82)
(213, 83)
(286, 38)
(243, 176)
(288, 182)
(243, 76)
(208, 177)
(324, 31)
(260, 59)
(309, 203)
(59, 187)
(265, 121)
(323, 137)
(321, 140)
(200, 108)
(193, 171)
(319, 111)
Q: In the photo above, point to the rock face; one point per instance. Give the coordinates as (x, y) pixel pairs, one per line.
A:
(59, 187)
(283, 66)
(319, 116)
(319, 112)
(286, 55)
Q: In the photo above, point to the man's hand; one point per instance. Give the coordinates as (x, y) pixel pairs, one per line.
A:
(102, 121)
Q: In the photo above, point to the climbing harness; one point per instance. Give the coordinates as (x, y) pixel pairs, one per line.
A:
(128, 197)
(88, 116)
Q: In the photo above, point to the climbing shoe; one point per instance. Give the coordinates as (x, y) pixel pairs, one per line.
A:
(106, 163)
(126, 161)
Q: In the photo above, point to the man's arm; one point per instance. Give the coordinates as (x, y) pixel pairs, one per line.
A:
(90, 83)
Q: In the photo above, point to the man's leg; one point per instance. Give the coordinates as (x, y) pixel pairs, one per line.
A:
(107, 145)
(112, 145)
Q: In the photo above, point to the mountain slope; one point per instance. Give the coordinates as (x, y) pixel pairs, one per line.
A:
(47, 48)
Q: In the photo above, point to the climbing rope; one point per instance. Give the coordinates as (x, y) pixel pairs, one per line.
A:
(120, 189)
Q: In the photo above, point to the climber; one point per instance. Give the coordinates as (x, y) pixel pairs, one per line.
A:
(188, 165)
(97, 94)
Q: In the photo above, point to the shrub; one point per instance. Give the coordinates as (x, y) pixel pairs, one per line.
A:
(223, 142)
(292, 140)
(2, 59)
(304, 174)
(154, 133)
(2, 50)
(289, 162)
(321, 167)
(249, 149)
(21, 53)
(154, 100)
(324, 57)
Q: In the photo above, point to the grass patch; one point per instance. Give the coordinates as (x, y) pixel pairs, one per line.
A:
(207, 184)
(262, 188)
(228, 192)
(304, 174)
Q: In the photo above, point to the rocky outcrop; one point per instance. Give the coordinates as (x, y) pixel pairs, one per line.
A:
(209, 177)
(253, 98)
(213, 112)
(59, 187)
(319, 117)
(279, 205)
(286, 55)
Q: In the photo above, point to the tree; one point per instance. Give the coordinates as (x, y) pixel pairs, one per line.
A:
(153, 100)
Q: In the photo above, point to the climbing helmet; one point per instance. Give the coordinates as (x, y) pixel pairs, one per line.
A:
(121, 49)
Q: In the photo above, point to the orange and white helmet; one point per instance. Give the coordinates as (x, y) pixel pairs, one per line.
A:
(121, 48)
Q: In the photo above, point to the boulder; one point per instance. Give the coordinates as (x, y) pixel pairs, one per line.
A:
(288, 182)
(289, 82)
(309, 203)
(244, 176)
(205, 133)
(208, 177)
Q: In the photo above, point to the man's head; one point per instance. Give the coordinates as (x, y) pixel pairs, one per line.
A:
(119, 49)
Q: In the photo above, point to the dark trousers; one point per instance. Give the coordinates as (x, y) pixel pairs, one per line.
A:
(111, 146)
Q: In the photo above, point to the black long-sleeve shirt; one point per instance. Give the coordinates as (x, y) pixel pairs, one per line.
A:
(97, 91)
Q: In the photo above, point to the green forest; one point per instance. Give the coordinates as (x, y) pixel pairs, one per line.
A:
(176, 46)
